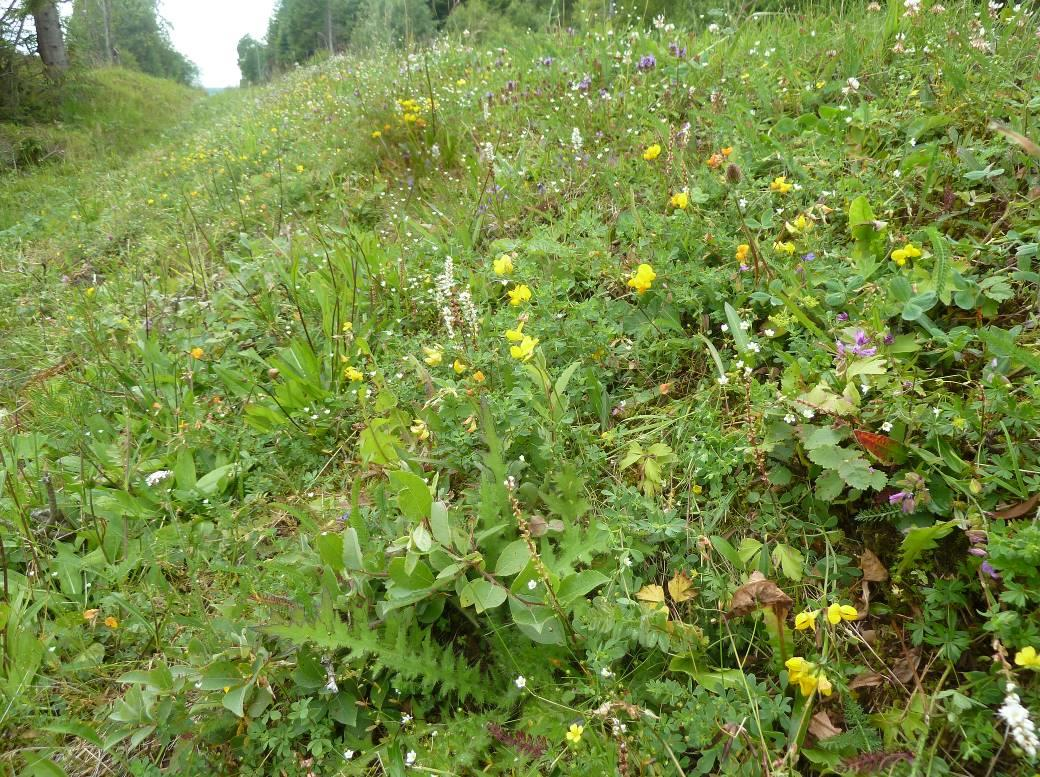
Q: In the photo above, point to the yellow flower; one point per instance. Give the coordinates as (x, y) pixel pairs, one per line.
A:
(800, 225)
(784, 247)
(459, 367)
(679, 200)
(515, 335)
(420, 429)
(1027, 658)
(434, 356)
(909, 251)
(837, 613)
(197, 353)
(652, 152)
(781, 185)
(460, 82)
(574, 733)
(806, 620)
(503, 265)
(742, 251)
(525, 350)
(519, 295)
(727, 150)
(697, 488)
(478, 377)
(823, 685)
(299, 168)
(808, 676)
(643, 279)
(89, 615)
(353, 374)
(377, 134)
(111, 622)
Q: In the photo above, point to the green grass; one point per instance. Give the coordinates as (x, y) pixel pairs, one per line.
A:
(329, 509)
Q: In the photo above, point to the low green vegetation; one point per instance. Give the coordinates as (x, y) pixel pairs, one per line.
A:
(621, 400)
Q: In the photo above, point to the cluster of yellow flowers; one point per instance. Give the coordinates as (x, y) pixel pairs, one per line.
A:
(519, 295)
(643, 278)
(836, 613)
(652, 152)
(411, 112)
(909, 251)
(780, 185)
(808, 676)
(680, 200)
(503, 265)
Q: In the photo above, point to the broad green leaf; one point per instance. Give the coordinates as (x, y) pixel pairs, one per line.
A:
(235, 699)
(715, 682)
(330, 549)
(513, 558)
(579, 584)
(482, 594)
(413, 495)
(920, 539)
(790, 561)
(440, 524)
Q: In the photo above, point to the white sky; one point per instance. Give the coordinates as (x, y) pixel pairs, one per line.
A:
(207, 32)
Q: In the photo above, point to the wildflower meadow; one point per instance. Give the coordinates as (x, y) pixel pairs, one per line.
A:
(631, 395)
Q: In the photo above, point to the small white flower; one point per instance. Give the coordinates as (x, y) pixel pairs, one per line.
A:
(769, 333)
(409, 759)
(605, 672)
(808, 412)
(532, 584)
(520, 681)
(723, 380)
(790, 418)
(886, 427)
(745, 325)
(864, 388)
(348, 754)
(406, 719)
(753, 346)
(724, 327)
(1020, 724)
(157, 477)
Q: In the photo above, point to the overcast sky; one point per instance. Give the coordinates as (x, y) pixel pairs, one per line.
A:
(207, 32)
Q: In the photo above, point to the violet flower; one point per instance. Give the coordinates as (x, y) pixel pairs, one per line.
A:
(649, 62)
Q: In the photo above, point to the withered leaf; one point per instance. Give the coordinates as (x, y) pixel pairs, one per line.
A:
(821, 727)
(756, 593)
(680, 589)
(867, 680)
(1017, 511)
(873, 570)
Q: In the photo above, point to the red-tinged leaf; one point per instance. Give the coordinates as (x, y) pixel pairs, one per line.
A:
(884, 449)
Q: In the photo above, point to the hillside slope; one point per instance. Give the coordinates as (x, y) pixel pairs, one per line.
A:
(644, 402)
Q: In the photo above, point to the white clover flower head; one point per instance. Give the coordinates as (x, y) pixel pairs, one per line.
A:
(1020, 725)
(157, 477)
(409, 759)
(520, 681)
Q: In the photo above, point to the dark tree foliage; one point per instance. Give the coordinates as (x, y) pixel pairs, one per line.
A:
(130, 33)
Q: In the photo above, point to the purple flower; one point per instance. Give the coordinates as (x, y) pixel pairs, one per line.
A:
(980, 552)
(904, 499)
(649, 62)
(809, 256)
(977, 537)
(677, 52)
(843, 317)
(604, 94)
(547, 61)
(989, 570)
(745, 267)
(584, 84)
(889, 339)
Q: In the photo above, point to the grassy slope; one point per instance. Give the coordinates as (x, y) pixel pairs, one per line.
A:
(259, 236)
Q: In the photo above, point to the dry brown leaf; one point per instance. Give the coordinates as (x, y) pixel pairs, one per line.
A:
(1026, 144)
(867, 680)
(820, 726)
(905, 669)
(759, 592)
(873, 570)
(1017, 511)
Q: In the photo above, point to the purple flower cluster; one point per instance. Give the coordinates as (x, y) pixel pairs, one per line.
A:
(649, 62)
(860, 346)
(905, 500)
(677, 52)
(584, 84)
(978, 540)
(914, 492)
(547, 61)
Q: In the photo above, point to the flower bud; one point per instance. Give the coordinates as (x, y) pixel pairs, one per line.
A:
(273, 373)
(733, 173)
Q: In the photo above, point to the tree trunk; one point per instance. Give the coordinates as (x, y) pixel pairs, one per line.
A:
(50, 41)
(107, 29)
(328, 26)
